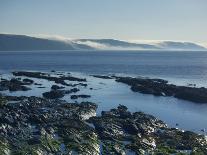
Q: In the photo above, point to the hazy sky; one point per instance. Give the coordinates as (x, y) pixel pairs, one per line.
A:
(121, 19)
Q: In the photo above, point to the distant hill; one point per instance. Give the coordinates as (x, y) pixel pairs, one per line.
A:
(161, 45)
(9, 42)
(22, 43)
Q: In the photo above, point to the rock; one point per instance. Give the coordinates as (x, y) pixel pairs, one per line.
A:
(102, 76)
(56, 93)
(74, 90)
(37, 125)
(55, 87)
(13, 85)
(53, 94)
(159, 87)
(34, 141)
(28, 81)
(37, 84)
(40, 75)
(143, 134)
(79, 96)
(3, 101)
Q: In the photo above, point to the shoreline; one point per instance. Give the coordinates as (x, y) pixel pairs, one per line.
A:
(58, 127)
(50, 124)
(108, 93)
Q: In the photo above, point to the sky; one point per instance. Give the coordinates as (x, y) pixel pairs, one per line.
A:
(184, 20)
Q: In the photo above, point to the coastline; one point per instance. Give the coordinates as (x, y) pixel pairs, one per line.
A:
(51, 124)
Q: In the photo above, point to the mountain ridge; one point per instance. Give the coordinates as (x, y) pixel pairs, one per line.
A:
(12, 42)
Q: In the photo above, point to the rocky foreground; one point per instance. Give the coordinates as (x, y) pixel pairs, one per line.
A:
(32, 125)
(48, 125)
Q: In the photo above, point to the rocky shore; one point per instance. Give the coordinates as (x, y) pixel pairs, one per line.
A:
(159, 87)
(59, 80)
(35, 125)
(49, 125)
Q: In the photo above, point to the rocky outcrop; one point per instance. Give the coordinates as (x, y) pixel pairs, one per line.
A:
(56, 87)
(122, 132)
(35, 125)
(56, 93)
(79, 96)
(159, 87)
(53, 94)
(102, 76)
(58, 80)
(41, 126)
(14, 85)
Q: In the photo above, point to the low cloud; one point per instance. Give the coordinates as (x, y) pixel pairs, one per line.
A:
(94, 44)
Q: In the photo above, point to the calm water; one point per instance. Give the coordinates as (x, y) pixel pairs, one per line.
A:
(183, 65)
(178, 67)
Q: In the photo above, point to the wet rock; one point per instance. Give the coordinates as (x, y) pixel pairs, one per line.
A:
(3, 101)
(40, 75)
(44, 125)
(159, 87)
(37, 84)
(53, 94)
(73, 90)
(39, 125)
(15, 98)
(143, 133)
(102, 76)
(79, 96)
(56, 93)
(34, 141)
(41, 87)
(13, 85)
(55, 87)
(28, 81)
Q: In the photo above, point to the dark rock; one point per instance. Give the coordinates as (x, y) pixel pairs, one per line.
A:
(28, 81)
(159, 87)
(13, 85)
(34, 141)
(55, 87)
(58, 80)
(37, 84)
(73, 90)
(41, 87)
(35, 123)
(79, 96)
(102, 76)
(53, 94)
